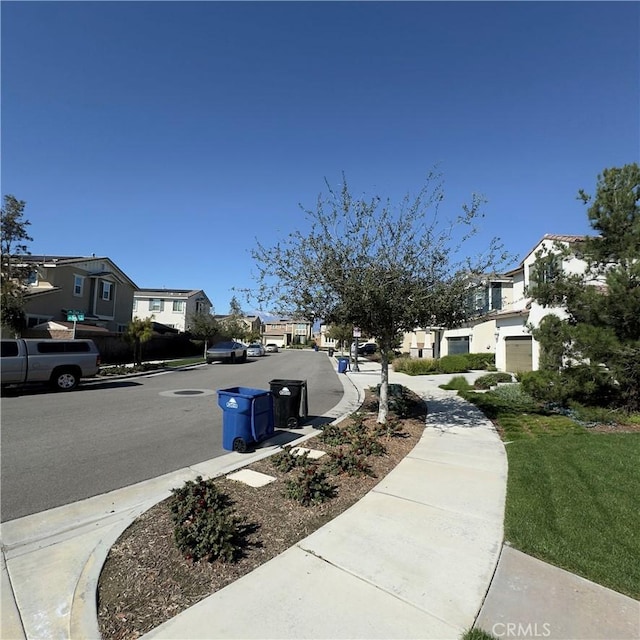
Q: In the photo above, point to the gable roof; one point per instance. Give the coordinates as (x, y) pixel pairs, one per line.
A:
(547, 236)
(56, 261)
(169, 293)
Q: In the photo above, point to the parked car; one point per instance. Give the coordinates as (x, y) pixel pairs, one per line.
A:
(60, 363)
(255, 350)
(271, 348)
(227, 352)
(367, 349)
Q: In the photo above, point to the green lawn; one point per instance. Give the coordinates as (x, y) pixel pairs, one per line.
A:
(573, 501)
(572, 494)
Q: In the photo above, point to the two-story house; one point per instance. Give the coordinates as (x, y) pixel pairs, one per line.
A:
(98, 290)
(286, 331)
(170, 307)
(516, 350)
(502, 311)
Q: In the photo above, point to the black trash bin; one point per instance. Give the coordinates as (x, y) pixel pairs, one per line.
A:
(290, 402)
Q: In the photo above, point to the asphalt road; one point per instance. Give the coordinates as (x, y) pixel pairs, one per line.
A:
(58, 448)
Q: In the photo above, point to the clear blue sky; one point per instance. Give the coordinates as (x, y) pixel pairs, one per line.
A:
(169, 135)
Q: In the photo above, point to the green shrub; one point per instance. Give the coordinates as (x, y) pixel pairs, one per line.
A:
(482, 361)
(415, 366)
(367, 444)
(491, 380)
(452, 364)
(392, 428)
(586, 384)
(310, 487)
(510, 399)
(333, 436)
(348, 462)
(205, 524)
(457, 383)
(285, 460)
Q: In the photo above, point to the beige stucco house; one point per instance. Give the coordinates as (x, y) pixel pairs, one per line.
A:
(95, 287)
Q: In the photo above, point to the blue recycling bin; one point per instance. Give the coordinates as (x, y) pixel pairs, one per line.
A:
(343, 363)
(247, 417)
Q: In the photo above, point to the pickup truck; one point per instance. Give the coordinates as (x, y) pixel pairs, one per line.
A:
(59, 363)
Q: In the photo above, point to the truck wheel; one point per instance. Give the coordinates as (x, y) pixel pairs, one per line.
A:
(65, 380)
(239, 445)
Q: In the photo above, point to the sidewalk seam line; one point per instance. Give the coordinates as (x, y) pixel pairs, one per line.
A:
(375, 586)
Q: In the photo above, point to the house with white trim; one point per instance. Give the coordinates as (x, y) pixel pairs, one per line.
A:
(504, 311)
(95, 287)
(170, 307)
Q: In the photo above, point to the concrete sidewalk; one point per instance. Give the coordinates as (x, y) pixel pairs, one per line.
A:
(413, 559)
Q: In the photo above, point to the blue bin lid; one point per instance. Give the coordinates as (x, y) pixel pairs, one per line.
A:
(245, 392)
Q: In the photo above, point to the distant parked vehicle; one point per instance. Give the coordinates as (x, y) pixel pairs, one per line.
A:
(227, 352)
(367, 349)
(60, 363)
(255, 350)
(271, 348)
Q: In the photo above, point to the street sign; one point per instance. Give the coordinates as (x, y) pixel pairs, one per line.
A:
(356, 332)
(75, 316)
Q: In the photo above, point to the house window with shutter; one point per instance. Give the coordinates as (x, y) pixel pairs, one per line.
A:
(106, 290)
(78, 285)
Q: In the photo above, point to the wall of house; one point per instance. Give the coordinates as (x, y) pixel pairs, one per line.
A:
(483, 338)
(166, 315)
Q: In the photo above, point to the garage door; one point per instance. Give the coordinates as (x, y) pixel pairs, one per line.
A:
(519, 356)
(458, 345)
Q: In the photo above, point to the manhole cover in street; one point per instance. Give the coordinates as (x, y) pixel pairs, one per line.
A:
(187, 392)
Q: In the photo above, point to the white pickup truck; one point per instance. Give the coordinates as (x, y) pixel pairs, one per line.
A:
(60, 363)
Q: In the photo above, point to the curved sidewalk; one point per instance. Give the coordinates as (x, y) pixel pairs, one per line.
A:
(413, 559)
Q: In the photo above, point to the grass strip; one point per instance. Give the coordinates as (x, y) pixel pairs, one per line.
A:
(573, 501)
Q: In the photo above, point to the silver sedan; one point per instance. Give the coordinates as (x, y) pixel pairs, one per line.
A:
(227, 352)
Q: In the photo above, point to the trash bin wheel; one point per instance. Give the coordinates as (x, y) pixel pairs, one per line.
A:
(240, 445)
(292, 423)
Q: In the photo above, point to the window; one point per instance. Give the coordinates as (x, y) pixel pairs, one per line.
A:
(33, 321)
(106, 289)
(135, 304)
(121, 328)
(178, 306)
(156, 304)
(78, 285)
(496, 296)
(9, 349)
(61, 346)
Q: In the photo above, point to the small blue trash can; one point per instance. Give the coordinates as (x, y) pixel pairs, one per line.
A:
(247, 417)
(343, 363)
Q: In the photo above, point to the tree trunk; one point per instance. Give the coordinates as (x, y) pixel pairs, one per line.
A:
(383, 406)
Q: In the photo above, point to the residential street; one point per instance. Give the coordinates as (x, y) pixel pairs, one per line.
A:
(58, 448)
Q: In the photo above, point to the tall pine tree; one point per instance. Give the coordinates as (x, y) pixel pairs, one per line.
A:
(600, 340)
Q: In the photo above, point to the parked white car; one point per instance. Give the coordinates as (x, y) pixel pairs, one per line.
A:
(255, 350)
(271, 348)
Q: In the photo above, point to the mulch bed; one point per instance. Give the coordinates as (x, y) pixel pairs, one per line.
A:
(146, 580)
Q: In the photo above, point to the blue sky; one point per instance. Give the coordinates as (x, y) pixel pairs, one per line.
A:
(169, 135)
